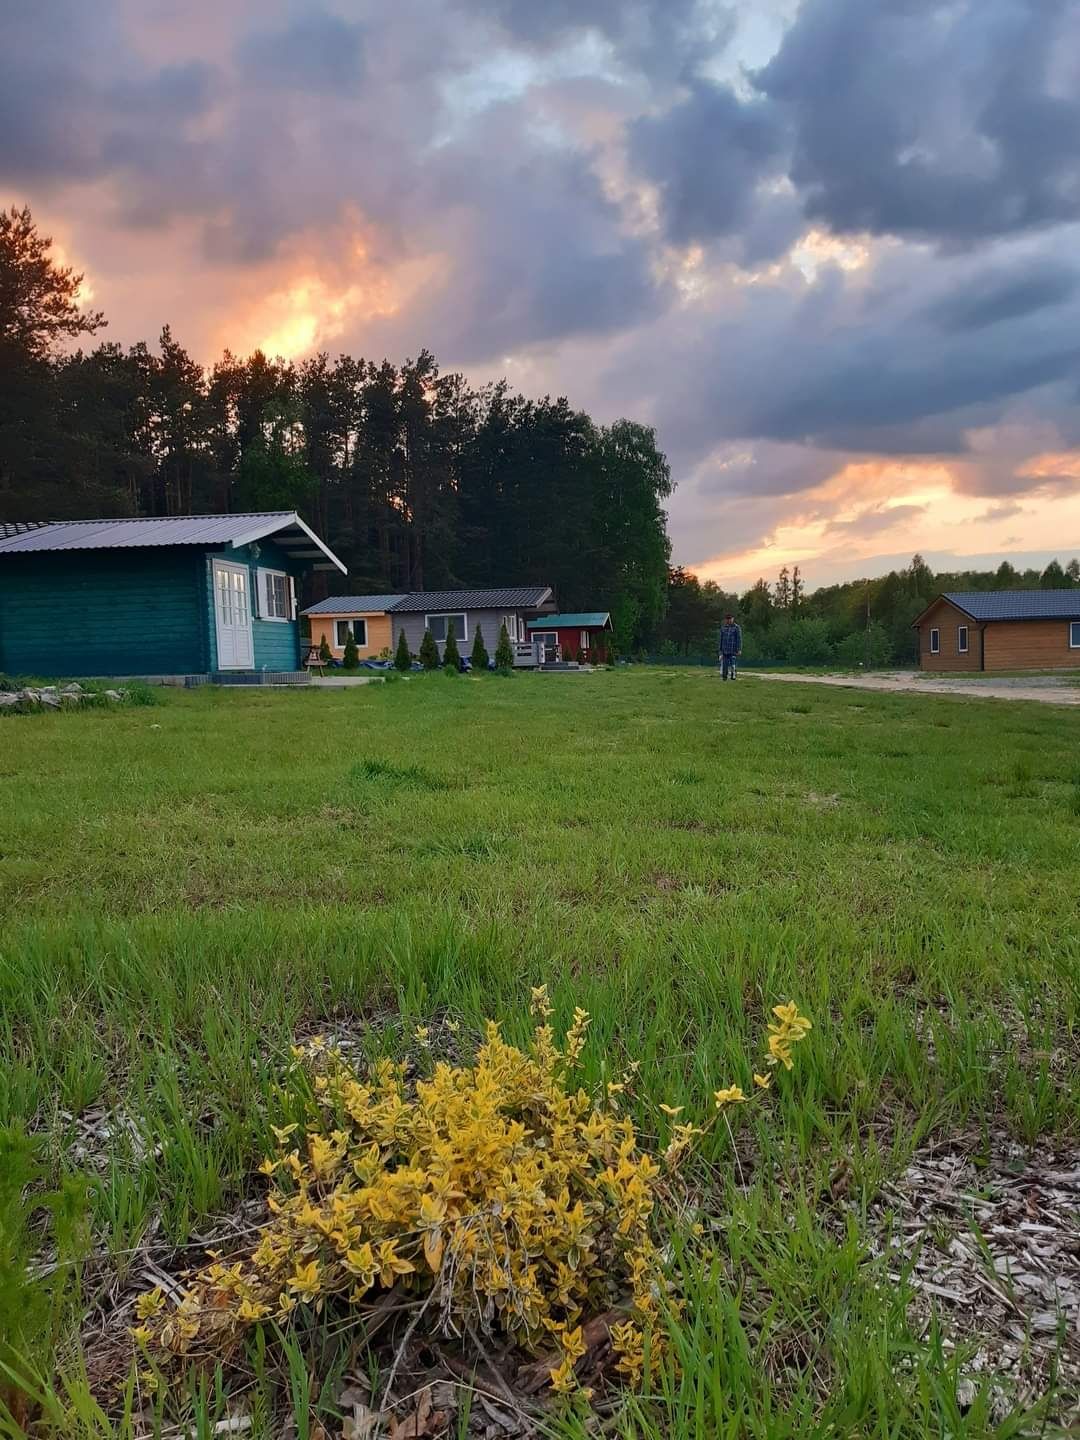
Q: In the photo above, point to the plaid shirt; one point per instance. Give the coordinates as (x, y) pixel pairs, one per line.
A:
(730, 639)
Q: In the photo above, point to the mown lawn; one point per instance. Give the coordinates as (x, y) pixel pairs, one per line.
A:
(189, 887)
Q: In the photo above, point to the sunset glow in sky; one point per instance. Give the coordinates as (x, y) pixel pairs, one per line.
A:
(829, 249)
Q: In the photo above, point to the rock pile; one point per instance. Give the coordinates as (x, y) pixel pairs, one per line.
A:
(54, 697)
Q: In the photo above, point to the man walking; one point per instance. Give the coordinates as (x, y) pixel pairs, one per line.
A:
(730, 647)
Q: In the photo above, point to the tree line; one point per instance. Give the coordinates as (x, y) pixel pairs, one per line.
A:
(862, 622)
(417, 479)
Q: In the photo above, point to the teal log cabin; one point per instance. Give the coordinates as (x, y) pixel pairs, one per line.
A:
(177, 595)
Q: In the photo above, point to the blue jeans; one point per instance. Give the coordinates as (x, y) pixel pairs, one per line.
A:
(728, 666)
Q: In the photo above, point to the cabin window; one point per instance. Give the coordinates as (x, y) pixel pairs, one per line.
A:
(961, 639)
(441, 625)
(1074, 634)
(275, 599)
(584, 639)
(358, 628)
(935, 641)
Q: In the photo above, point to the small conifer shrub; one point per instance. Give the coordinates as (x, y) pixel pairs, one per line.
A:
(429, 652)
(402, 658)
(479, 655)
(451, 658)
(504, 651)
(351, 658)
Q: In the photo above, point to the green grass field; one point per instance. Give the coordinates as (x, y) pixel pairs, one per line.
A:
(188, 887)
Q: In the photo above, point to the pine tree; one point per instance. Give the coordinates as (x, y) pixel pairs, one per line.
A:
(783, 590)
(351, 658)
(402, 658)
(479, 656)
(504, 654)
(796, 590)
(451, 658)
(429, 652)
(324, 651)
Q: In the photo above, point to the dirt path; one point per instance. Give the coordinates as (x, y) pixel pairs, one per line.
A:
(1048, 690)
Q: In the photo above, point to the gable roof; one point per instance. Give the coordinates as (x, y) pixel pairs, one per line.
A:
(586, 620)
(353, 605)
(523, 597)
(285, 526)
(985, 605)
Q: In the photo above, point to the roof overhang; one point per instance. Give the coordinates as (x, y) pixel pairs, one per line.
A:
(937, 601)
(298, 541)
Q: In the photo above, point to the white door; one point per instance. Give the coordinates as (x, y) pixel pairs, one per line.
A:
(232, 615)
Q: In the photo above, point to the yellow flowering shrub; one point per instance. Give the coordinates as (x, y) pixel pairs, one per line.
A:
(497, 1193)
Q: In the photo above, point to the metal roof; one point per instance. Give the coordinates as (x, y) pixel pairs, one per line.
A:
(587, 620)
(285, 526)
(354, 605)
(1017, 604)
(524, 597)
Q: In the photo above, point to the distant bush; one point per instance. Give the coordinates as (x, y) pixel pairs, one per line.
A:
(451, 658)
(402, 658)
(351, 656)
(325, 653)
(429, 652)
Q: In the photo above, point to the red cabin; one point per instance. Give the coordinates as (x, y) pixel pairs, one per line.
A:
(585, 638)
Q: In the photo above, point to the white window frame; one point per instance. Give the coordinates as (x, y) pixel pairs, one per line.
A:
(584, 640)
(1074, 634)
(935, 640)
(961, 639)
(462, 639)
(350, 625)
(268, 601)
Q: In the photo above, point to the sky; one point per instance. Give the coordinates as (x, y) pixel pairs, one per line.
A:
(830, 250)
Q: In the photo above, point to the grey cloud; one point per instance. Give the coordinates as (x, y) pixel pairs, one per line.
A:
(999, 296)
(874, 520)
(941, 121)
(707, 156)
(659, 37)
(316, 51)
(537, 251)
(1003, 510)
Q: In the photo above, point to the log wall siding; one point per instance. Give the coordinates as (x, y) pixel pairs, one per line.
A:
(1030, 645)
(103, 612)
(946, 619)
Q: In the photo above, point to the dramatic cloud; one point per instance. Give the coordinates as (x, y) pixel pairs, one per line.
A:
(316, 51)
(950, 121)
(828, 249)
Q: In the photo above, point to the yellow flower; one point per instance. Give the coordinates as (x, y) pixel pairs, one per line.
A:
(391, 1264)
(789, 1016)
(306, 1281)
(149, 1303)
(141, 1334)
(540, 1004)
(562, 1378)
(423, 1034)
(780, 1051)
(731, 1096)
(282, 1133)
(672, 1110)
(453, 1026)
(762, 1081)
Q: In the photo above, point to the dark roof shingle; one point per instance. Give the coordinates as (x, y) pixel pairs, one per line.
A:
(1017, 604)
(522, 597)
(353, 604)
